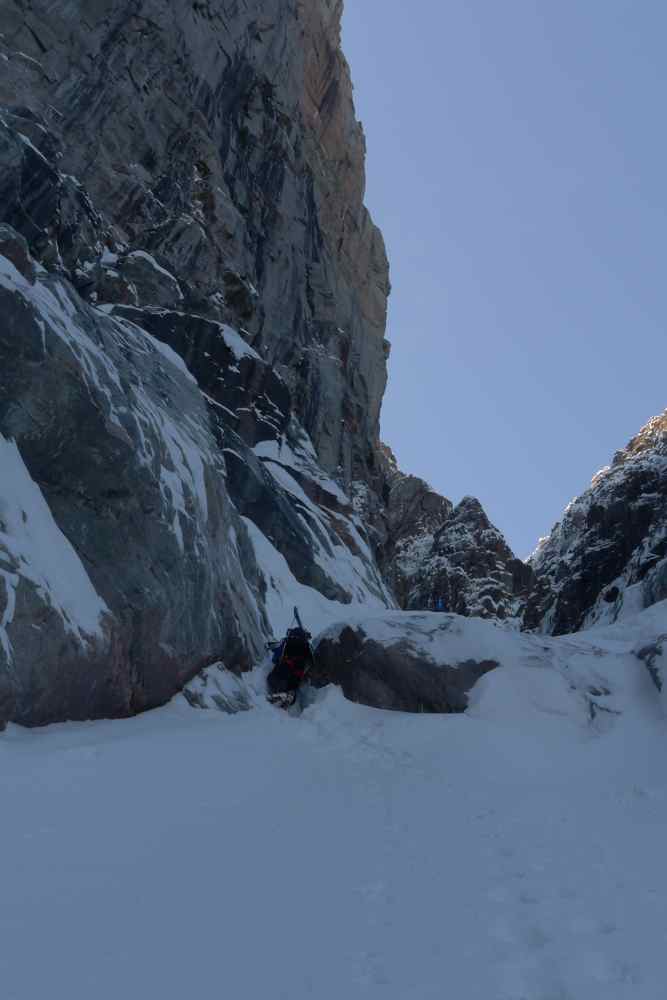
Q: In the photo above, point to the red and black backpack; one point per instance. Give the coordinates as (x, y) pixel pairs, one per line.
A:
(297, 655)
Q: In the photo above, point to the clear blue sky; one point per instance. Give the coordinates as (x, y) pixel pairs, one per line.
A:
(517, 165)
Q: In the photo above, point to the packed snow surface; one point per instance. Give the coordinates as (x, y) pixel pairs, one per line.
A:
(512, 853)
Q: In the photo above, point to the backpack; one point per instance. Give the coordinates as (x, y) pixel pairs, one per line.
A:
(296, 652)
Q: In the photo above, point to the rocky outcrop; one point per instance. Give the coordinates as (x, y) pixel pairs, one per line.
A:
(439, 556)
(606, 558)
(408, 516)
(400, 663)
(470, 568)
(654, 656)
(608, 555)
(426, 662)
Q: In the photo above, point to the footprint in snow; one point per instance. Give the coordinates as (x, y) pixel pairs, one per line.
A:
(528, 898)
(608, 969)
(585, 924)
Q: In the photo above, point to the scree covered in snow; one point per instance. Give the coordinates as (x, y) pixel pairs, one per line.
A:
(515, 852)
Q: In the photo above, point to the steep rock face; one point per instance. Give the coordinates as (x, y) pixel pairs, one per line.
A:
(197, 167)
(150, 524)
(124, 567)
(219, 140)
(185, 182)
(608, 555)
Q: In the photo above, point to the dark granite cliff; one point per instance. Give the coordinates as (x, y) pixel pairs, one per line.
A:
(192, 353)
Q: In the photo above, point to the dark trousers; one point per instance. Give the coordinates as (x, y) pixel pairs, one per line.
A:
(282, 679)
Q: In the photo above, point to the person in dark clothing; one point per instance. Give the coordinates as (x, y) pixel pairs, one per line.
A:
(292, 659)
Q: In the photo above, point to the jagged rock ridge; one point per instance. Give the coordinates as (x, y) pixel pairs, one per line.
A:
(608, 554)
(436, 555)
(606, 558)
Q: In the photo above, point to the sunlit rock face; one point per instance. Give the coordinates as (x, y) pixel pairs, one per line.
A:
(607, 557)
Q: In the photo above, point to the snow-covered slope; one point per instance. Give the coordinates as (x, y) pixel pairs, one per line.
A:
(515, 851)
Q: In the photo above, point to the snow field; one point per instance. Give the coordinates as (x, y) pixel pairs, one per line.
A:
(512, 853)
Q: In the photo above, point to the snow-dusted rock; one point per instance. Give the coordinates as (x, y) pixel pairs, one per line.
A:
(405, 523)
(401, 661)
(15, 248)
(189, 545)
(124, 566)
(654, 656)
(252, 398)
(434, 554)
(218, 688)
(470, 567)
(607, 557)
(427, 662)
(153, 285)
(273, 475)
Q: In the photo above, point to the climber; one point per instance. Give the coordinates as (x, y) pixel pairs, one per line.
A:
(292, 659)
